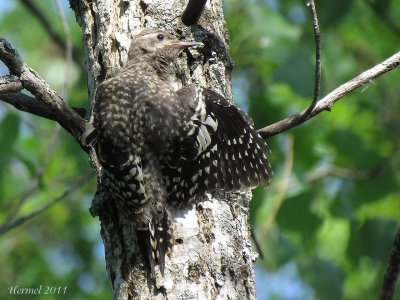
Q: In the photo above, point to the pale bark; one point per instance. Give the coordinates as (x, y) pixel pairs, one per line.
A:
(212, 257)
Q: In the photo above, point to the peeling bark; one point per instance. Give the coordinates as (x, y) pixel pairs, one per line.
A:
(212, 257)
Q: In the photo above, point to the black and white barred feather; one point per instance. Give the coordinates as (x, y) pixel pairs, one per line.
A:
(220, 151)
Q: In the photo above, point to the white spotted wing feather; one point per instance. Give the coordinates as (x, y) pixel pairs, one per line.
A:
(220, 151)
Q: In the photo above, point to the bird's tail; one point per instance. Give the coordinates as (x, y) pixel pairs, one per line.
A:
(155, 242)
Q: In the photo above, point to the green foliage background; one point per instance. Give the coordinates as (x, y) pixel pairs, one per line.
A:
(336, 217)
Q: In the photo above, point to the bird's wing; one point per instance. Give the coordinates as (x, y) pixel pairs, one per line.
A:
(115, 145)
(123, 174)
(220, 151)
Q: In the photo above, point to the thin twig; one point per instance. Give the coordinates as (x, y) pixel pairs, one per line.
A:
(350, 173)
(38, 177)
(329, 100)
(282, 188)
(22, 199)
(317, 37)
(193, 11)
(256, 243)
(68, 51)
(392, 271)
(49, 28)
(341, 173)
(8, 225)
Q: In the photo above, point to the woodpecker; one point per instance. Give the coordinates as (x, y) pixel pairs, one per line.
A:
(160, 148)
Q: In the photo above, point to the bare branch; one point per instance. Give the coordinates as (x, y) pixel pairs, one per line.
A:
(392, 271)
(327, 102)
(21, 200)
(256, 243)
(10, 84)
(341, 173)
(8, 225)
(20, 220)
(30, 105)
(193, 11)
(317, 37)
(27, 104)
(47, 26)
(68, 50)
(31, 81)
(47, 104)
(11, 58)
(282, 188)
(352, 174)
(35, 184)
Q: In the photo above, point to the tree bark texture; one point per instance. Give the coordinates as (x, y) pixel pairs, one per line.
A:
(212, 257)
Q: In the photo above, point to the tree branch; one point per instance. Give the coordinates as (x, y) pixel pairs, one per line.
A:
(65, 116)
(327, 102)
(27, 104)
(10, 84)
(35, 182)
(30, 105)
(342, 173)
(47, 26)
(10, 224)
(68, 51)
(193, 11)
(352, 174)
(282, 189)
(392, 271)
(317, 37)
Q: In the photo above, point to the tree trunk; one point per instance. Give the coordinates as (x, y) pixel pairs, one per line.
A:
(212, 257)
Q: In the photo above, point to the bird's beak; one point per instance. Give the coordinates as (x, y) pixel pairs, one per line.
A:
(184, 45)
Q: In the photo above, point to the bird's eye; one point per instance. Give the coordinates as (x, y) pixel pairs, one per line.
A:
(160, 37)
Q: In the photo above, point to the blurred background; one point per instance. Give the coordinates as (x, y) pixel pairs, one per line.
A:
(326, 224)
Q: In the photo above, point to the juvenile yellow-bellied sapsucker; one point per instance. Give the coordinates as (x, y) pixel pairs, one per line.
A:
(160, 148)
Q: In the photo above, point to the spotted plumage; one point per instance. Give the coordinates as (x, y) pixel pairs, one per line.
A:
(161, 148)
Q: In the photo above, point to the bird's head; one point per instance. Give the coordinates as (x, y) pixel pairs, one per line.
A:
(155, 43)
